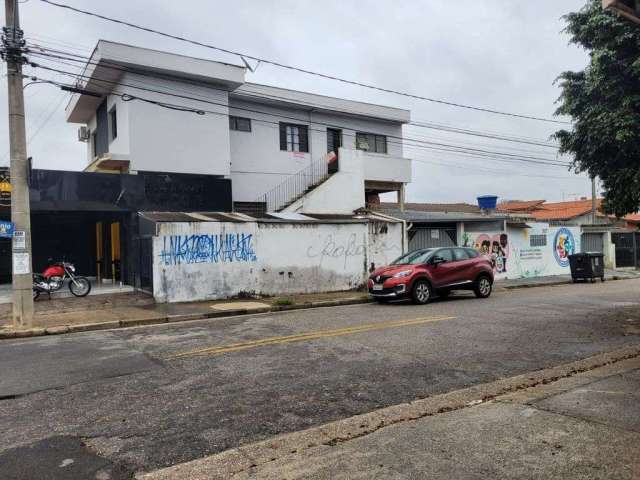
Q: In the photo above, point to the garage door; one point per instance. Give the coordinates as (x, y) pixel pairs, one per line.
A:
(593, 242)
(431, 238)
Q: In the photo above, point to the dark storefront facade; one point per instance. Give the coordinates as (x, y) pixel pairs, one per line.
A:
(91, 219)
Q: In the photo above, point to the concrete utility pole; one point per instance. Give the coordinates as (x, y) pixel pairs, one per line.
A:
(20, 210)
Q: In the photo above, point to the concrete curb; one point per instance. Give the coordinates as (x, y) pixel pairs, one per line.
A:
(162, 319)
(243, 460)
(559, 282)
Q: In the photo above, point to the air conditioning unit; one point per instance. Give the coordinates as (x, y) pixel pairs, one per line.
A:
(627, 8)
(84, 134)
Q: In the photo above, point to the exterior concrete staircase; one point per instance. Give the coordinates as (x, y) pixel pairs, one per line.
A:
(291, 190)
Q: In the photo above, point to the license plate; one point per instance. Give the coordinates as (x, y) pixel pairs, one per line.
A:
(377, 288)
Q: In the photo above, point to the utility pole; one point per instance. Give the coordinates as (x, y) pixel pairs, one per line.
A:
(20, 209)
(594, 203)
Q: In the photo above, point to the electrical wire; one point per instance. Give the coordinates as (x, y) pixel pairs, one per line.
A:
(190, 97)
(498, 156)
(302, 70)
(46, 52)
(128, 97)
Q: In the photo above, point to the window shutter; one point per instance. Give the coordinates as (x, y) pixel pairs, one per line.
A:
(283, 137)
(304, 138)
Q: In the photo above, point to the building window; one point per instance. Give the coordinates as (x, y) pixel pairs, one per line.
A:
(294, 138)
(113, 124)
(240, 124)
(370, 142)
(538, 241)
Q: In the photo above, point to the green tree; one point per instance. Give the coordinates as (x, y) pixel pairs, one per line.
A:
(604, 102)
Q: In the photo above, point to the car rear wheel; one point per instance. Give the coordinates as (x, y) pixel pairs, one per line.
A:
(483, 287)
(421, 292)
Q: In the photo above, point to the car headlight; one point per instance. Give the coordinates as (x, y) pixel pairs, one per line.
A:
(404, 273)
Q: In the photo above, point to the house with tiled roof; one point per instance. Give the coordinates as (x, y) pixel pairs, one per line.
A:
(606, 233)
(575, 212)
(517, 206)
(633, 221)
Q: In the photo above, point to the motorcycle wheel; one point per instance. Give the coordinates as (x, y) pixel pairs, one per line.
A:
(36, 295)
(82, 288)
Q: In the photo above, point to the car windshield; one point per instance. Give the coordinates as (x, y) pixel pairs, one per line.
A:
(414, 258)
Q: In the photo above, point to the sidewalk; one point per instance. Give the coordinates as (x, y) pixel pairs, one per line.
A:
(562, 279)
(577, 421)
(103, 312)
(121, 310)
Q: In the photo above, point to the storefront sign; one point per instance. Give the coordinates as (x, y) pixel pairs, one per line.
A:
(6, 229)
(21, 263)
(5, 189)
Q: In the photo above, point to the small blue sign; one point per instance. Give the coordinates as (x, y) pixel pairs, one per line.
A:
(6, 229)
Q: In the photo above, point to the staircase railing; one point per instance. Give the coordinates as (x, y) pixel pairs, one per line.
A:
(295, 186)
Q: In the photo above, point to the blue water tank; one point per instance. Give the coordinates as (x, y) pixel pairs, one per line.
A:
(488, 202)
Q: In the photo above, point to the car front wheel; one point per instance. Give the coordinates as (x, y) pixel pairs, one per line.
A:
(483, 287)
(421, 292)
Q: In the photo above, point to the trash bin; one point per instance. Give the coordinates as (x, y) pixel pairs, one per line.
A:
(587, 266)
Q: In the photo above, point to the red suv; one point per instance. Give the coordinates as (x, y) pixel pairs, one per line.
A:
(421, 274)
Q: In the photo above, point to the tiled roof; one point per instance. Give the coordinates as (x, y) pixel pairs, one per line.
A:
(564, 210)
(633, 218)
(519, 206)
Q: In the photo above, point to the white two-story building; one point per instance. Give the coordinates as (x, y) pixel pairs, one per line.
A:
(162, 112)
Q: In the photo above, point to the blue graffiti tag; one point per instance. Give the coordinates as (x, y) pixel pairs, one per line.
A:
(189, 249)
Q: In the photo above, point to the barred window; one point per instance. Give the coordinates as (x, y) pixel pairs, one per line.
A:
(538, 241)
(371, 142)
(294, 138)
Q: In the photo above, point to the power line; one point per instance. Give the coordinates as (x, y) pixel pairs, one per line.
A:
(494, 173)
(190, 97)
(434, 145)
(299, 69)
(46, 120)
(246, 91)
(127, 97)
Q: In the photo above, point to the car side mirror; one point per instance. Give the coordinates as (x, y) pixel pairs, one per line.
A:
(437, 261)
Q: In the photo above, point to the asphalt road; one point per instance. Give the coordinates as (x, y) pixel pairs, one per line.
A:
(104, 404)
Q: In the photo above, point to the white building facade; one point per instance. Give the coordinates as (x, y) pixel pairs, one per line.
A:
(161, 112)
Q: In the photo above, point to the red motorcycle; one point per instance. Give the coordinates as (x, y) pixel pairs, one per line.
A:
(52, 280)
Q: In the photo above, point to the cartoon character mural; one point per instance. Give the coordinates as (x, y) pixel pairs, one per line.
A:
(564, 245)
(495, 247)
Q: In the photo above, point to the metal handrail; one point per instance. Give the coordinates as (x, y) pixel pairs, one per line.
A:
(295, 186)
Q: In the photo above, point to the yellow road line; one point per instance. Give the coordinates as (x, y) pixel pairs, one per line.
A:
(309, 336)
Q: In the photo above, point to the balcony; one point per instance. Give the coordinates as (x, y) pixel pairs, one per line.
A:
(386, 168)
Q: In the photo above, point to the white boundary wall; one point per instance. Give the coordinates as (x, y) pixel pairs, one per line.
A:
(209, 260)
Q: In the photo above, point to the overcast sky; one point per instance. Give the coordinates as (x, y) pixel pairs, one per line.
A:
(498, 54)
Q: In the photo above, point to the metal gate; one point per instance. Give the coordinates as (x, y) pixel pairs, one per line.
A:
(592, 242)
(627, 249)
(431, 237)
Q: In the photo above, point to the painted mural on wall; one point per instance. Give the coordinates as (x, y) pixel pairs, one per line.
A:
(564, 244)
(515, 254)
(217, 248)
(493, 246)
